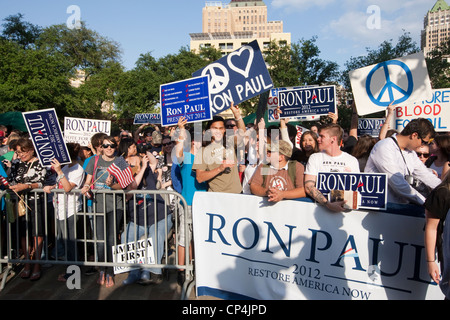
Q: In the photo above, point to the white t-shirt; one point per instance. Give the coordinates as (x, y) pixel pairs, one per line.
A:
(322, 162)
(385, 157)
(67, 204)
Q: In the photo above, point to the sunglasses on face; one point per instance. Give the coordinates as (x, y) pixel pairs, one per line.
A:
(425, 155)
(426, 143)
(230, 126)
(106, 146)
(167, 144)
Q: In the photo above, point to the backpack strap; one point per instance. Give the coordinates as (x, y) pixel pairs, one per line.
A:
(95, 168)
(292, 170)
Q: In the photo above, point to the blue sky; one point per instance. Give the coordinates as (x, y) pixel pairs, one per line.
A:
(142, 26)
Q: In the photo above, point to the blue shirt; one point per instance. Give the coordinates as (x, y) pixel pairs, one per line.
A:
(188, 178)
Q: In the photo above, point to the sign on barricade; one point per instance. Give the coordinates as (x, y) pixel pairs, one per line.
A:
(80, 130)
(237, 77)
(47, 136)
(133, 253)
(299, 250)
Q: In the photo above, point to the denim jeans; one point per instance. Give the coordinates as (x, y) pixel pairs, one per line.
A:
(129, 236)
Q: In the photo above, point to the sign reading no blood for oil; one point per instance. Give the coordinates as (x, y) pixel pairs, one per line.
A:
(237, 77)
(47, 136)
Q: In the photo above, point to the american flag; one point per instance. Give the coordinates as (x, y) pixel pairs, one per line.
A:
(121, 171)
(3, 181)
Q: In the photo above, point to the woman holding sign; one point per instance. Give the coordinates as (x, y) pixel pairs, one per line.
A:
(27, 174)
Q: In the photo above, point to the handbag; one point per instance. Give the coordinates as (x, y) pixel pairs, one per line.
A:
(21, 209)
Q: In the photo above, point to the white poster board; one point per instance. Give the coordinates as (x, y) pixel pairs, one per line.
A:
(403, 80)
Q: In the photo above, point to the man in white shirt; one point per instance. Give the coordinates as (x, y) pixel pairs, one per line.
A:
(330, 159)
(396, 156)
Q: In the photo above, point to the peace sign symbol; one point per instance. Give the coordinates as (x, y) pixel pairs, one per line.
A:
(219, 80)
(390, 87)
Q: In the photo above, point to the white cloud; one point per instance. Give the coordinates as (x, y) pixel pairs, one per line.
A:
(396, 17)
(300, 5)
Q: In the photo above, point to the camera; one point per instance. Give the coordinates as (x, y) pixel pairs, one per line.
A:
(413, 182)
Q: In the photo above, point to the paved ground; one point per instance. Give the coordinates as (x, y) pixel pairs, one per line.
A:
(48, 288)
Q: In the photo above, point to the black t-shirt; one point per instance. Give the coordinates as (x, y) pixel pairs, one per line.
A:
(438, 202)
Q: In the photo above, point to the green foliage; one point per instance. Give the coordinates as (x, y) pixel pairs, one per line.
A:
(438, 66)
(32, 79)
(23, 33)
(139, 88)
(386, 51)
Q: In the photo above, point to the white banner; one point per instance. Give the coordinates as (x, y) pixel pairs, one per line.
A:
(246, 247)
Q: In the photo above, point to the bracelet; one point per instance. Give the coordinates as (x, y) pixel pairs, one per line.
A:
(240, 118)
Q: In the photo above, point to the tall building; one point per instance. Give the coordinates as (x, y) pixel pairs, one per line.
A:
(229, 26)
(436, 26)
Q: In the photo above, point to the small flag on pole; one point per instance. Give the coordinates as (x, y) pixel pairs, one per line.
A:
(121, 171)
(3, 181)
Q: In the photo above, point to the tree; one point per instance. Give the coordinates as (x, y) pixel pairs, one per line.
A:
(139, 88)
(438, 66)
(84, 49)
(311, 69)
(23, 33)
(386, 51)
(32, 80)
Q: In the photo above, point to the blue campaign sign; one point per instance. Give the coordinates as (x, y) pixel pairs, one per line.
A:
(188, 98)
(47, 136)
(152, 118)
(370, 126)
(237, 77)
(371, 186)
(307, 101)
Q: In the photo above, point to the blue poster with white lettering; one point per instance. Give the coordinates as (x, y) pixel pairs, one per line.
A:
(307, 101)
(188, 98)
(152, 118)
(47, 137)
(237, 77)
(370, 126)
(372, 187)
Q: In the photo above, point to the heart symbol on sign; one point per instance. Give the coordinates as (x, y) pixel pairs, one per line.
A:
(249, 63)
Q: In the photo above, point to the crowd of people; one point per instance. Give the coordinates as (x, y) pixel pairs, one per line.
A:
(226, 155)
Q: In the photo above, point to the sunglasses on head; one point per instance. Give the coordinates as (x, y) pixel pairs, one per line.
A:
(425, 155)
(107, 145)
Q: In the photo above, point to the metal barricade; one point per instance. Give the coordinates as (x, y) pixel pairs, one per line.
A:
(85, 238)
